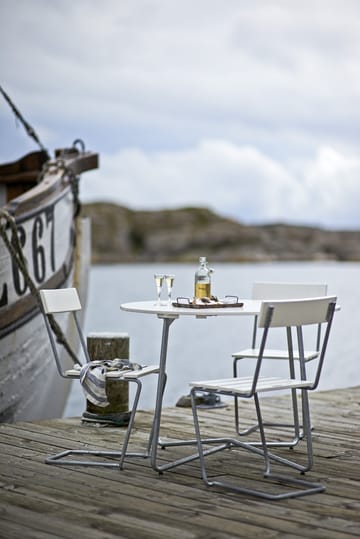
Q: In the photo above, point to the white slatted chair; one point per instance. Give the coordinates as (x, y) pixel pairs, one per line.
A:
(273, 314)
(279, 291)
(66, 300)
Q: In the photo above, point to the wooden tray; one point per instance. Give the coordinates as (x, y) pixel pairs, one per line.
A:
(207, 305)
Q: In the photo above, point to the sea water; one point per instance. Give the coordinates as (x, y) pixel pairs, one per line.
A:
(201, 348)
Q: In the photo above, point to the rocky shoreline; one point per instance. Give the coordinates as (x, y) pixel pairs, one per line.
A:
(121, 235)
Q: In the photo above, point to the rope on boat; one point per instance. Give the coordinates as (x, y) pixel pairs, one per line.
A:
(17, 253)
(74, 183)
(59, 164)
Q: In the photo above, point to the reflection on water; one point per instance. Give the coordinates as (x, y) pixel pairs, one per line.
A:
(201, 348)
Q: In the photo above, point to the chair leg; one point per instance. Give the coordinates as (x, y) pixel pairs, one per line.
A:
(304, 487)
(130, 426)
(60, 458)
(199, 441)
(295, 425)
(267, 461)
(307, 428)
(307, 486)
(249, 430)
(151, 436)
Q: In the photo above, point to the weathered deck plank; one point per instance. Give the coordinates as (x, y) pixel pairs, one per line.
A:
(38, 500)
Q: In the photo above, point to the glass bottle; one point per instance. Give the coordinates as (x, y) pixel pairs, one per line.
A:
(203, 279)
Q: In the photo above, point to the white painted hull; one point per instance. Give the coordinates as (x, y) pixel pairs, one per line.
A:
(30, 387)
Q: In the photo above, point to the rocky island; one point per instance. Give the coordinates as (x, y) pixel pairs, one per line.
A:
(120, 234)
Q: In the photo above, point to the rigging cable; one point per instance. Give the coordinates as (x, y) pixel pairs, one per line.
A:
(29, 130)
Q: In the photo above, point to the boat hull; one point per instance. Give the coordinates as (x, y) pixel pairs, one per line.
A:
(56, 244)
(30, 385)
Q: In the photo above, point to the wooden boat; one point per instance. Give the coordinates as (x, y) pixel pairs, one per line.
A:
(39, 218)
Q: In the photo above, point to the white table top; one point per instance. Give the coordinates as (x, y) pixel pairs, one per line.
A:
(250, 307)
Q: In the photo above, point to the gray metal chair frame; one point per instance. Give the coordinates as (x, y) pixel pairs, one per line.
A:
(298, 313)
(66, 300)
(277, 291)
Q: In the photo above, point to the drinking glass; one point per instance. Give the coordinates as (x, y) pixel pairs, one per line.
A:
(159, 279)
(169, 279)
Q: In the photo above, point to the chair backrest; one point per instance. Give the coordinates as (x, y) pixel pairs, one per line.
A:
(298, 312)
(286, 290)
(282, 290)
(57, 301)
(60, 300)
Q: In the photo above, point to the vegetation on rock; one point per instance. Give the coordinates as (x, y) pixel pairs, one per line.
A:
(120, 234)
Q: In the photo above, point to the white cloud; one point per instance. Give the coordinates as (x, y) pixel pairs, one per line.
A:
(251, 108)
(240, 182)
(332, 184)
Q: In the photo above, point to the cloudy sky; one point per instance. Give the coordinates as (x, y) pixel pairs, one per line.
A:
(248, 107)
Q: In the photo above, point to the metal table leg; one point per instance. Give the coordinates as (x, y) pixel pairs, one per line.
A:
(167, 321)
(160, 392)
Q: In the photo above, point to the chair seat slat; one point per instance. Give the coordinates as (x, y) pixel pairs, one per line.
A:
(275, 354)
(244, 385)
(137, 373)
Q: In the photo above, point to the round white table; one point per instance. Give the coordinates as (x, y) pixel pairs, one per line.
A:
(168, 313)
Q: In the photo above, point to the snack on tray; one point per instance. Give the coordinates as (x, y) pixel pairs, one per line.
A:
(203, 303)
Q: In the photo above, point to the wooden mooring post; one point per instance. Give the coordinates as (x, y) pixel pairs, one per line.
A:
(109, 346)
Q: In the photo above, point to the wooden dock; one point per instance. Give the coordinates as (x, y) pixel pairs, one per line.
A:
(40, 501)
